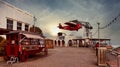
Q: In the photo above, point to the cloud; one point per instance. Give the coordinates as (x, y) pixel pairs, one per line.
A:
(53, 12)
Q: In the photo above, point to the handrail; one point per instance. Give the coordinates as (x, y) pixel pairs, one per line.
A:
(114, 55)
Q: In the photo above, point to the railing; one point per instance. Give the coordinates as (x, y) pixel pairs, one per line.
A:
(113, 58)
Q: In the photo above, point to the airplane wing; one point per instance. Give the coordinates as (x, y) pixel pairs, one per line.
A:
(70, 24)
(75, 21)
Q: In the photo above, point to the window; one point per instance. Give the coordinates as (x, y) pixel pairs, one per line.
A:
(26, 27)
(9, 24)
(34, 42)
(19, 26)
(25, 41)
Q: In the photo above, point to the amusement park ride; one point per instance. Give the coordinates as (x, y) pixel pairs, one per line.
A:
(75, 25)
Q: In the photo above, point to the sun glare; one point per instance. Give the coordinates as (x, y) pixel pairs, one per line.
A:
(55, 30)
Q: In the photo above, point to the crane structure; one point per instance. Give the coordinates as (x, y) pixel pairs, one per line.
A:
(86, 25)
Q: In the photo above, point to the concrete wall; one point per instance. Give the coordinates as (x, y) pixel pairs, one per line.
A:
(16, 14)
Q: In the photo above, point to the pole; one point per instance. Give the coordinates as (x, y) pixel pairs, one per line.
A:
(87, 30)
(34, 23)
(99, 32)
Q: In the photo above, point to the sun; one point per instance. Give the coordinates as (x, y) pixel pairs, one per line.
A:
(55, 30)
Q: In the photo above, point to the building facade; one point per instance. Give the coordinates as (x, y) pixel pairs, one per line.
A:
(13, 18)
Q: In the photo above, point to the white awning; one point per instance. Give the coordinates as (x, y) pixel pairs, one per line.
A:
(33, 36)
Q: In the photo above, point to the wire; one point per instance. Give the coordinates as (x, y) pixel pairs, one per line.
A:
(110, 23)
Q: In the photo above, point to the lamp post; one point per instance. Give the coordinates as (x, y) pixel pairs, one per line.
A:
(99, 32)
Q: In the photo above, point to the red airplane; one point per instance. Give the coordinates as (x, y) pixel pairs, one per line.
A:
(70, 26)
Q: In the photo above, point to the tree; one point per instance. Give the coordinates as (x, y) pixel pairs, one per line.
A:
(2, 45)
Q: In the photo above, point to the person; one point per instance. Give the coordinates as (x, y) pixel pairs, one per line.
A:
(55, 42)
(70, 42)
(63, 43)
(58, 42)
(96, 47)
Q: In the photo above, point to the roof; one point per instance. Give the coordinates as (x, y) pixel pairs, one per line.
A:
(100, 39)
(49, 39)
(3, 31)
(32, 36)
(27, 34)
(95, 39)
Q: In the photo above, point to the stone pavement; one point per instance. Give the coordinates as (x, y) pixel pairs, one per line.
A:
(60, 57)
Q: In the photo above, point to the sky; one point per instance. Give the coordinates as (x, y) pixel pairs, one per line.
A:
(50, 13)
